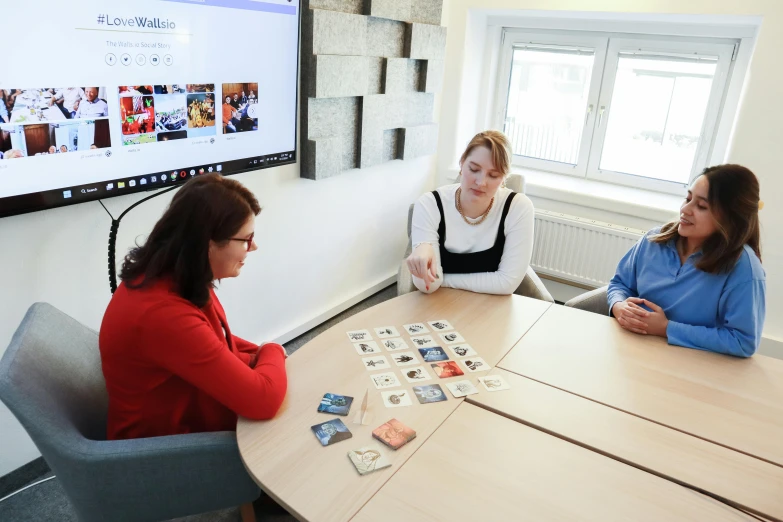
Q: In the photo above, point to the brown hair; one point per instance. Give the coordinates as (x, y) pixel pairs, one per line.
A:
(499, 147)
(207, 208)
(733, 198)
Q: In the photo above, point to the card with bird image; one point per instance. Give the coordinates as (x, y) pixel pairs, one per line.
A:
(394, 434)
(416, 328)
(368, 459)
(335, 404)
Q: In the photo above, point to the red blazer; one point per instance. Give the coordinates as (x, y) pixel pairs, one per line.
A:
(170, 368)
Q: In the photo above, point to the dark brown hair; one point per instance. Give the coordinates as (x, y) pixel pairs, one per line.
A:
(207, 208)
(733, 198)
(498, 145)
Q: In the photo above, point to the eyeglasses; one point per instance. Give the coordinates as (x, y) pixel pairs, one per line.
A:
(249, 240)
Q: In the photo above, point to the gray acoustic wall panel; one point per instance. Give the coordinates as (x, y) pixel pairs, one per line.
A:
(339, 33)
(339, 76)
(346, 6)
(390, 9)
(385, 38)
(375, 75)
(426, 11)
(396, 75)
(433, 75)
(425, 42)
(421, 140)
(326, 155)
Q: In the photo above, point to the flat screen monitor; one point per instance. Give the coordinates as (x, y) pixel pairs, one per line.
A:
(100, 99)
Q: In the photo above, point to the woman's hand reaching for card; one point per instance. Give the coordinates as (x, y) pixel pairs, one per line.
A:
(427, 275)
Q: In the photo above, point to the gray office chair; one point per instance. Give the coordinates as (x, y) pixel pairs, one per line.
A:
(51, 379)
(592, 301)
(531, 285)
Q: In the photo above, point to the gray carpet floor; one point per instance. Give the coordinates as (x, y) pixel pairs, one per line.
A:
(47, 502)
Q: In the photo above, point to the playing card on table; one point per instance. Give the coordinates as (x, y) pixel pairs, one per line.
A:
(330, 432)
(379, 362)
(394, 434)
(433, 354)
(385, 380)
(367, 459)
(475, 364)
(417, 374)
(462, 350)
(404, 358)
(359, 335)
(367, 347)
(336, 404)
(494, 383)
(396, 398)
(441, 325)
(446, 369)
(416, 328)
(423, 341)
(394, 344)
(452, 338)
(429, 393)
(384, 332)
(461, 388)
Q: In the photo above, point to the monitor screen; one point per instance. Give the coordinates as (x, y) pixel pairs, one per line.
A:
(99, 99)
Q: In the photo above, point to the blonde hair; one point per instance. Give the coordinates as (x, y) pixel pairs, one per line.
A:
(499, 147)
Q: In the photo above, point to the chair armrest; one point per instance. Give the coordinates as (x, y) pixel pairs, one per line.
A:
(404, 280)
(532, 286)
(592, 301)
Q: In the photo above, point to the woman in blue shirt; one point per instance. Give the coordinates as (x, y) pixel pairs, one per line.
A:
(699, 281)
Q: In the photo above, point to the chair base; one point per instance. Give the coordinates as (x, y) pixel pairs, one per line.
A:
(247, 512)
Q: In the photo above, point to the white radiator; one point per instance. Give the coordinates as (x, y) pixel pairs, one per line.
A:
(579, 250)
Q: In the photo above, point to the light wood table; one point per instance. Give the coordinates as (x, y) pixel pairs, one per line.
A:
(737, 403)
(482, 466)
(743, 481)
(320, 483)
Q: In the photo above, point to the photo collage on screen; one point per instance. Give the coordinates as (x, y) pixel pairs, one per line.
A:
(52, 120)
(153, 113)
(240, 107)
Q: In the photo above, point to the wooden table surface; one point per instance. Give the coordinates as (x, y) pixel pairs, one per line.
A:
(481, 466)
(320, 483)
(745, 482)
(737, 403)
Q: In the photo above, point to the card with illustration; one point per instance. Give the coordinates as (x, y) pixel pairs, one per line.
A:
(475, 364)
(359, 335)
(379, 362)
(417, 374)
(396, 398)
(447, 369)
(336, 404)
(367, 459)
(416, 328)
(330, 432)
(385, 380)
(461, 388)
(404, 358)
(462, 350)
(394, 434)
(394, 344)
(441, 325)
(452, 338)
(429, 393)
(433, 354)
(423, 341)
(367, 347)
(494, 383)
(384, 332)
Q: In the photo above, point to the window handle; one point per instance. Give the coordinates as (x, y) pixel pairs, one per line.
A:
(601, 114)
(589, 112)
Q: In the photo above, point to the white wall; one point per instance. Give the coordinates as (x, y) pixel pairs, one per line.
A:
(757, 134)
(321, 243)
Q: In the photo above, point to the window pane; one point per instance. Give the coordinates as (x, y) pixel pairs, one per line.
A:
(547, 102)
(656, 117)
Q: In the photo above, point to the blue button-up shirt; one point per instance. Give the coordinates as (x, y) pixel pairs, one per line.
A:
(721, 313)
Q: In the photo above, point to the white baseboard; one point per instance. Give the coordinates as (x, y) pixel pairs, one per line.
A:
(315, 321)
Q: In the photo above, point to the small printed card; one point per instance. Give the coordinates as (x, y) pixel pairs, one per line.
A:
(367, 347)
(385, 380)
(441, 325)
(379, 362)
(447, 369)
(475, 364)
(423, 341)
(462, 350)
(416, 328)
(404, 358)
(429, 393)
(336, 404)
(494, 383)
(367, 459)
(394, 434)
(394, 344)
(359, 335)
(396, 398)
(417, 374)
(384, 332)
(461, 388)
(330, 432)
(452, 338)
(433, 354)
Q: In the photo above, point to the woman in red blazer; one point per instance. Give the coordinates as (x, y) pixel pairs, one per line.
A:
(170, 360)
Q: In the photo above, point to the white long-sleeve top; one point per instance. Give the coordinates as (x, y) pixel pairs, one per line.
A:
(462, 238)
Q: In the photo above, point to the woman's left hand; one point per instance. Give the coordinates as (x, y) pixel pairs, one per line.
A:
(656, 321)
